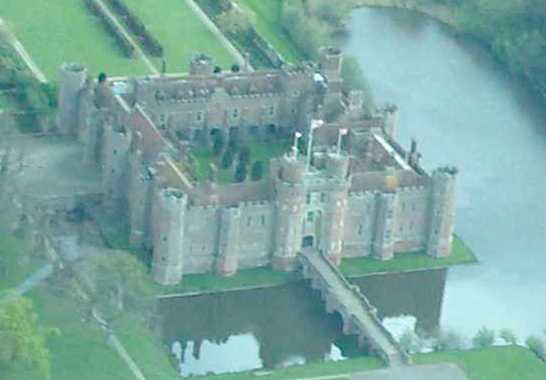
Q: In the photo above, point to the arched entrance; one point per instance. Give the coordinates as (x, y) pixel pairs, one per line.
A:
(308, 241)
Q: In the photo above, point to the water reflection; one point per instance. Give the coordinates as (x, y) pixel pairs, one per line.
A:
(277, 327)
(464, 109)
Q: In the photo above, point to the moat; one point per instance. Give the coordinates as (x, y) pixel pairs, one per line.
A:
(468, 112)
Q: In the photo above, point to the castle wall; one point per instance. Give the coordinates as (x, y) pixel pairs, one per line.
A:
(257, 232)
(359, 224)
(200, 246)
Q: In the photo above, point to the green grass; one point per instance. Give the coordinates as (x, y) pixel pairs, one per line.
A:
(80, 351)
(268, 25)
(494, 363)
(7, 102)
(410, 261)
(15, 262)
(54, 32)
(314, 369)
(247, 278)
(146, 350)
(259, 151)
(180, 32)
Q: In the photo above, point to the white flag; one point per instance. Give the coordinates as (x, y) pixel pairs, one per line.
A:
(298, 135)
(343, 131)
(316, 124)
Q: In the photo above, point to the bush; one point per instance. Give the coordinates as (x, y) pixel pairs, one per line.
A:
(240, 172)
(409, 341)
(244, 155)
(537, 346)
(447, 341)
(508, 336)
(218, 144)
(484, 338)
(227, 159)
(235, 21)
(235, 68)
(257, 171)
(354, 79)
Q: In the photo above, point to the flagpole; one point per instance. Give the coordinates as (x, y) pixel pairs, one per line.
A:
(338, 151)
(314, 125)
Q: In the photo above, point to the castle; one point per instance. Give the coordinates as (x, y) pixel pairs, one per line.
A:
(354, 193)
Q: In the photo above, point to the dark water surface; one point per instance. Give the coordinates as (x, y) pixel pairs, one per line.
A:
(277, 327)
(465, 109)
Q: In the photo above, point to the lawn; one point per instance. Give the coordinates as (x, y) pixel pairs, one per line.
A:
(259, 151)
(146, 350)
(495, 363)
(180, 32)
(15, 263)
(268, 25)
(247, 278)
(7, 102)
(80, 351)
(409, 261)
(54, 32)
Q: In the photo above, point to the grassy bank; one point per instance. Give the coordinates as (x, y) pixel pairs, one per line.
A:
(16, 263)
(80, 350)
(498, 363)
(54, 32)
(410, 261)
(180, 32)
(268, 25)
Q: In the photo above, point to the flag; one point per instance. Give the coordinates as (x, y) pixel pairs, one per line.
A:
(298, 135)
(316, 124)
(343, 131)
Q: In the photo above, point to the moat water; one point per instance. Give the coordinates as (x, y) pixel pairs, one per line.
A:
(464, 109)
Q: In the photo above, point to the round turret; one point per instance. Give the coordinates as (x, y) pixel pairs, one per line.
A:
(337, 165)
(72, 79)
(292, 169)
(202, 64)
(331, 60)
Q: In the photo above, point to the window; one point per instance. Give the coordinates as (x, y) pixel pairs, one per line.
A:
(360, 228)
(262, 220)
(322, 197)
(271, 110)
(235, 113)
(199, 116)
(249, 221)
(310, 216)
(308, 199)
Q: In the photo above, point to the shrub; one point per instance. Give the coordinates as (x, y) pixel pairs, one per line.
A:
(244, 155)
(217, 69)
(240, 172)
(354, 79)
(409, 341)
(218, 144)
(235, 21)
(508, 336)
(235, 68)
(227, 159)
(484, 338)
(447, 341)
(257, 171)
(537, 346)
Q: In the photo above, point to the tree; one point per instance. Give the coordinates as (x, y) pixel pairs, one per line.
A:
(218, 143)
(23, 346)
(240, 172)
(244, 155)
(227, 159)
(235, 21)
(114, 283)
(484, 338)
(536, 345)
(235, 68)
(447, 341)
(409, 341)
(508, 336)
(257, 171)
(354, 79)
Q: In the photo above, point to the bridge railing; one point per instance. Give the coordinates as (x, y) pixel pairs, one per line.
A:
(369, 308)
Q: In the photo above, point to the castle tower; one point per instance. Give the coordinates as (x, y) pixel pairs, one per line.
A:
(331, 61)
(383, 243)
(168, 213)
(442, 212)
(140, 199)
(290, 211)
(72, 80)
(334, 212)
(115, 163)
(392, 116)
(202, 65)
(228, 248)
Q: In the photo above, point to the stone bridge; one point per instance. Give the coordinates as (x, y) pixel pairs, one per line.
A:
(358, 315)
